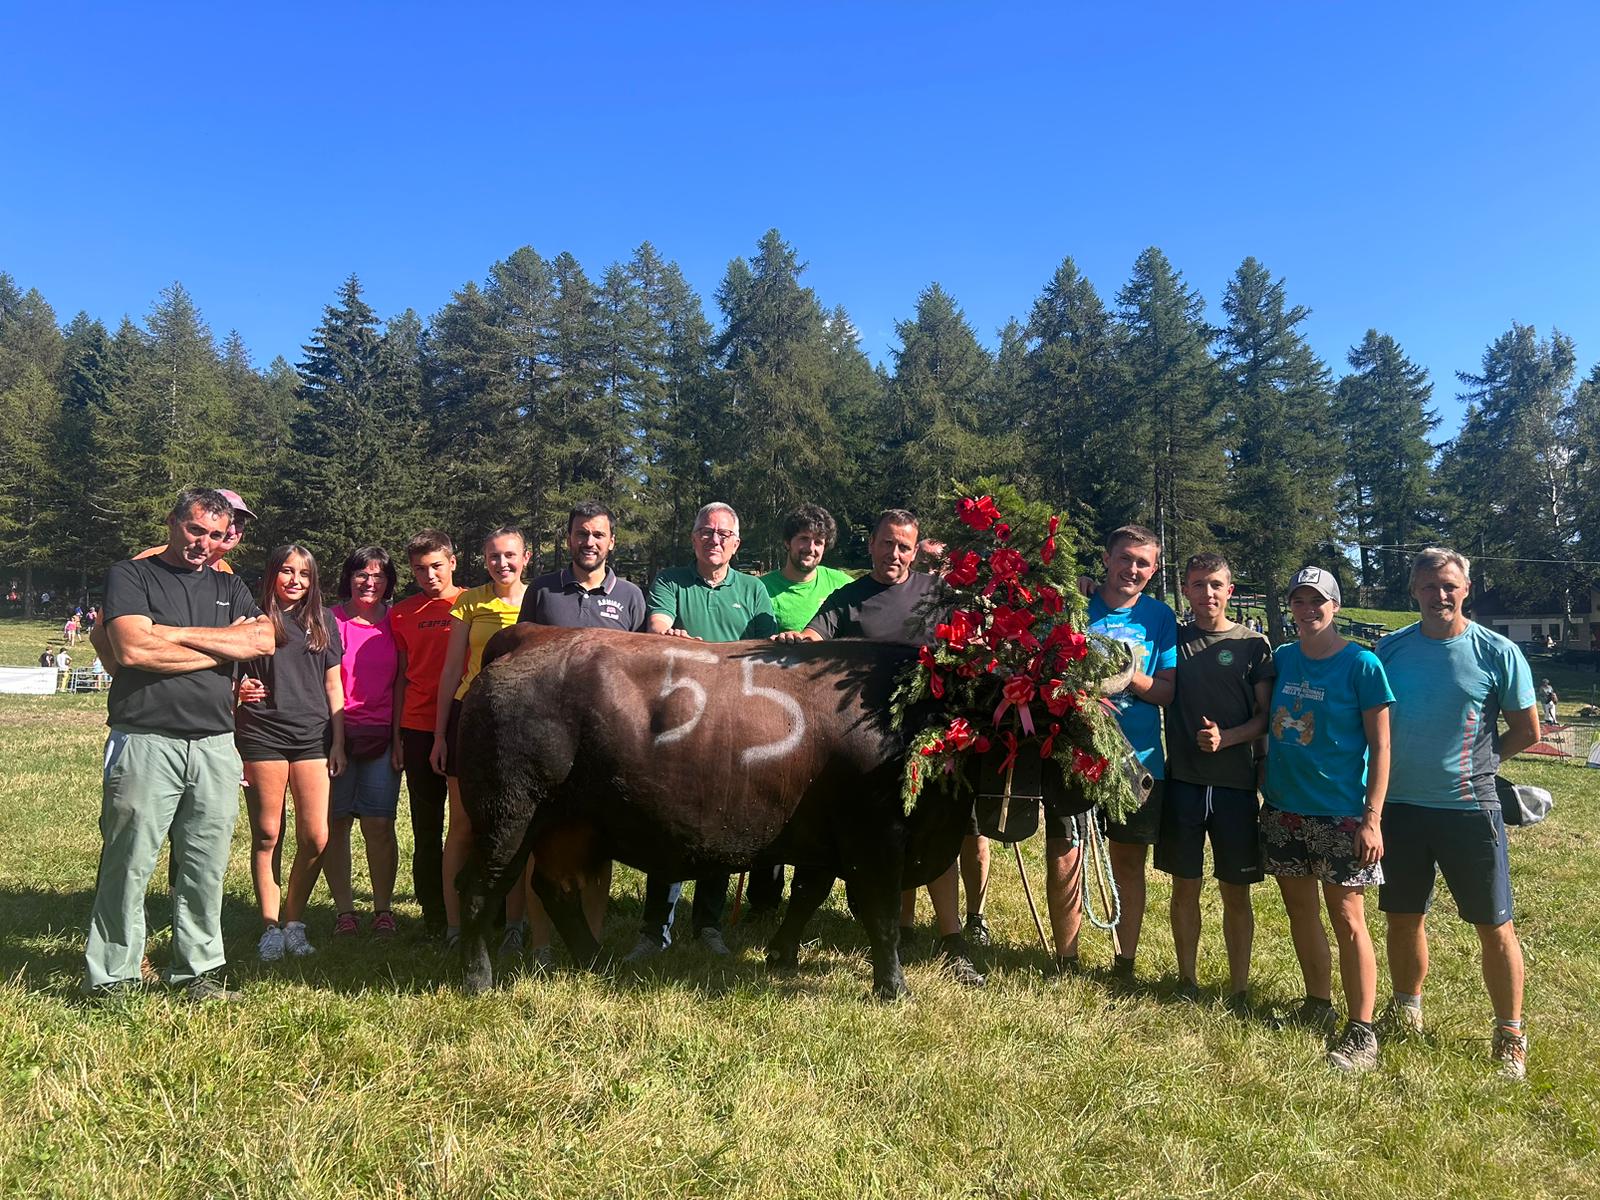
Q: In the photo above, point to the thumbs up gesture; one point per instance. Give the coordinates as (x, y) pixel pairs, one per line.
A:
(1209, 739)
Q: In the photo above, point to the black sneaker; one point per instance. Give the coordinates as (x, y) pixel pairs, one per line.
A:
(1066, 964)
(1356, 1050)
(1187, 990)
(977, 929)
(204, 989)
(957, 960)
(1238, 1003)
(1122, 977)
(1311, 1013)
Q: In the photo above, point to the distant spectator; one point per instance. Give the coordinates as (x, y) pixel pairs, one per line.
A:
(1548, 701)
(69, 631)
(47, 656)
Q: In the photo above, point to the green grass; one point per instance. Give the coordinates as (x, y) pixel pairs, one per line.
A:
(364, 1071)
(21, 641)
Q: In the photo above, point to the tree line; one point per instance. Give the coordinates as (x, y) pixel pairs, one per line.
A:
(542, 385)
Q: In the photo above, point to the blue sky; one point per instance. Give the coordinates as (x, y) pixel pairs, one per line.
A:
(1428, 170)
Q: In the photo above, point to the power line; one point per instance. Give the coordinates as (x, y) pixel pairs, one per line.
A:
(1563, 562)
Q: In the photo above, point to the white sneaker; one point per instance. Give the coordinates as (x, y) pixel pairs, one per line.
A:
(294, 939)
(711, 939)
(270, 947)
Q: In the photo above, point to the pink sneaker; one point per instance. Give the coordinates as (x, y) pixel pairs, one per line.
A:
(383, 924)
(346, 924)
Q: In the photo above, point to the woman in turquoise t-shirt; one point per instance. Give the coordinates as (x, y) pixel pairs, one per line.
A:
(1327, 774)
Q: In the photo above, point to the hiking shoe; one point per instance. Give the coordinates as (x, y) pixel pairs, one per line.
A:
(1312, 1013)
(383, 925)
(1187, 990)
(1122, 974)
(294, 939)
(270, 947)
(1401, 1020)
(205, 988)
(643, 950)
(1356, 1050)
(956, 958)
(1238, 1003)
(452, 938)
(541, 959)
(346, 925)
(1510, 1051)
(711, 939)
(977, 929)
(513, 940)
(1066, 964)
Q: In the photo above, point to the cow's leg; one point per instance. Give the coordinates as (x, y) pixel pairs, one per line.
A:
(875, 901)
(806, 894)
(493, 868)
(566, 914)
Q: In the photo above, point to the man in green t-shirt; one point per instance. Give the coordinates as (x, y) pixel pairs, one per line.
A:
(798, 589)
(708, 602)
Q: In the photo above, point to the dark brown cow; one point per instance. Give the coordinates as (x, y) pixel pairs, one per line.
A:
(683, 758)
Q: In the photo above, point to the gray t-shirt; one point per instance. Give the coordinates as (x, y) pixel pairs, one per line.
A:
(1217, 674)
(884, 612)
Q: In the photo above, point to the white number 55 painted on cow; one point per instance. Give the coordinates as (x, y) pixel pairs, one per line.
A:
(750, 755)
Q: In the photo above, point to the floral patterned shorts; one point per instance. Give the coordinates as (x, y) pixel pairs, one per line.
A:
(1324, 847)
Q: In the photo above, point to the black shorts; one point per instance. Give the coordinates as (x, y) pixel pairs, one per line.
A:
(264, 747)
(452, 732)
(1468, 845)
(1143, 827)
(1190, 812)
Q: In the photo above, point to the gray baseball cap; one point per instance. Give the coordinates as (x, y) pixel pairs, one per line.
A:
(1320, 581)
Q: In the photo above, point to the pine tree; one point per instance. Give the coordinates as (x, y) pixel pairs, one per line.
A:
(1279, 426)
(1073, 403)
(855, 395)
(30, 409)
(776, 433)
(935, 431)
(1169, 425)
(1508, 474)
(1386, 477)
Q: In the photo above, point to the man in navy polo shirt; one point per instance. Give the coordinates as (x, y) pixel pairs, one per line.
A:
(1452, 679)
(586, 594)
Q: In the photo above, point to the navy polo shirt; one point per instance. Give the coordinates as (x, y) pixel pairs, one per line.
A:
(559, 599)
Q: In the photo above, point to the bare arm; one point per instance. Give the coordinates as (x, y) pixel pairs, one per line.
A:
(100, 640)
(1369, 838)
(233, 643)
(1522, 731)
(139, 642)
(1155, 689)
(661, 623)
(455, 662)
(1211, 738)
(397, 756)
(333, 686)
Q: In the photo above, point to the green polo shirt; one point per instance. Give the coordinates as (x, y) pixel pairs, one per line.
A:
(735, 609)
(794, 604)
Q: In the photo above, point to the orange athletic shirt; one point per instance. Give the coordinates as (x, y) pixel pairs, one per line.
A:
(421, 627)
(220, 565)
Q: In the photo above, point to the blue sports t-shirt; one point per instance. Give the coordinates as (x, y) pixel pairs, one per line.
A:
(1317, 748)
(1149, 624)
(1449, 694)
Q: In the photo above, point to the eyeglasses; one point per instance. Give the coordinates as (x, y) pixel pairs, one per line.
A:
(706, 534)
(377, 577)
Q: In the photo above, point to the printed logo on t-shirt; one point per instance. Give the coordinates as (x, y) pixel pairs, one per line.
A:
(222, 603)
(610, 609)
(1225, 657)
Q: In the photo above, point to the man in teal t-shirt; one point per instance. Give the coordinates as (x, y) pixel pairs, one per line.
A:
(1119, 610)
(797, 590)
(1453, 679)
(709, 602)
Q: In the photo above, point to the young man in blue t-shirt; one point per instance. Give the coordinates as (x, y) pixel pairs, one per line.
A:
(1118, 609)
(1452, 679)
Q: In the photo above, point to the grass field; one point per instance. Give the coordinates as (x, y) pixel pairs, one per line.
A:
(364, 1071)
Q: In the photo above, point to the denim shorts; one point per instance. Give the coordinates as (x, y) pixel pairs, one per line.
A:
(1323, 847)
(1229, 815)
(367, 787)
(1468, 845)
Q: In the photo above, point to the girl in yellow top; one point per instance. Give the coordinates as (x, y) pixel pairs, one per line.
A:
(477, 615)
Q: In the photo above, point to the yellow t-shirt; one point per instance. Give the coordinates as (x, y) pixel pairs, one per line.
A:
(485, 615)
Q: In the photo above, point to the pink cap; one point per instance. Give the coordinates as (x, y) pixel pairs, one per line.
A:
(237, 501)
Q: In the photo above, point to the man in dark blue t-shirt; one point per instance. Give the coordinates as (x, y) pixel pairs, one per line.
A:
(176, 630)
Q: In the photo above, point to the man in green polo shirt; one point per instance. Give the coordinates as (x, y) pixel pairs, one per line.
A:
(798, 589)
(708, 602)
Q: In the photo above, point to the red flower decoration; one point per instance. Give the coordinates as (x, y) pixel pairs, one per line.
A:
(1059, 698)
(1002, 532)
(1048, 746)
(960, 735)
(958, 632)
(935, 680)
(977, 512)
(1050, 600)
(933, 748)
(963, 571)
(1007, 624)
(1006, 563)
(1048, 550)
(1018, 690)
(1090, 766)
